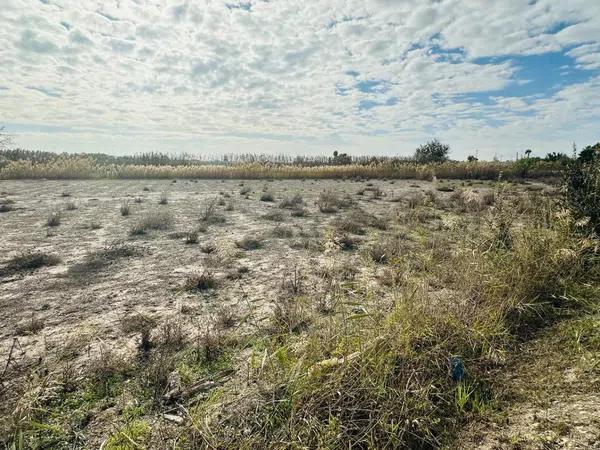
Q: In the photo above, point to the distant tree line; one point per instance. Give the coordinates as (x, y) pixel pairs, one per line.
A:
(431, 152)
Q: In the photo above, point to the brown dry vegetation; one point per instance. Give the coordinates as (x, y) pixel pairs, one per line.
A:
(338, 327)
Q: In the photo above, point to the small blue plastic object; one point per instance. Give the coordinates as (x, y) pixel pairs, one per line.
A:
(457, 368)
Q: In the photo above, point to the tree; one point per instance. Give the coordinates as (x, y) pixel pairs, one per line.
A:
(590, 152)
(472, 158)
(341, 159)
(527, 153)
(432, 152)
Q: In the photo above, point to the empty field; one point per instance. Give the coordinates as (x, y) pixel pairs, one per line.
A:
(174, 312)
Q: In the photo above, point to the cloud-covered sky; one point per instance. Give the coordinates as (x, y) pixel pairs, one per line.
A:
(300, 76)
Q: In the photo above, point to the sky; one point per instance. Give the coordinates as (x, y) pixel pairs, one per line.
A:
(302, 77)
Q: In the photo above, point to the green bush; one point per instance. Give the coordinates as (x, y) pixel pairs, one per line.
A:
(582, 190)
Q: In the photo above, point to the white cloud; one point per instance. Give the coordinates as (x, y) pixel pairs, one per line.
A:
(296, 76)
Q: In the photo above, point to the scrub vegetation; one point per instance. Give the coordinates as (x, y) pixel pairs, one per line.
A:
(388, 314)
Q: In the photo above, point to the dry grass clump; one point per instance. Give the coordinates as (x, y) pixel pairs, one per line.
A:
(267, 197)
(330, 201)
(155, 220)
(53, 219)
(249, 243)
(210, 214)
(101, 259)
(386, 249)
(274, 216)
(282, 232)
(124, 208)
(469, 200)
(70, 206)
(346, 243)
(164, 199)
(293, 202)
(201, 281)
(27, 262)
(191, 237)
(298, 212)
(349, 225)
(143, 325)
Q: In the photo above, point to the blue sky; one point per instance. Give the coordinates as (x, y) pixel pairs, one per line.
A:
(300, 76)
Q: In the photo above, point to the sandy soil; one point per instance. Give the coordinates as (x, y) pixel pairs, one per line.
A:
(70, 308)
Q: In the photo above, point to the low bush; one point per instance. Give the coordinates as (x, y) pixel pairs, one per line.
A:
(155, 220)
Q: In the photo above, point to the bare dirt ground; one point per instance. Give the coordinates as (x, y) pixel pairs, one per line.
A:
(69, 307)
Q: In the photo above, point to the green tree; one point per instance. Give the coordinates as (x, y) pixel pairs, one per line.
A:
(432, 152)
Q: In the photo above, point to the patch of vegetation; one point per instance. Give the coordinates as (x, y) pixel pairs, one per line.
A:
(28, 262)
(210, 215)
(201, 282)
(191, 237)
(267, 197)
(293, 202)
(53, 219)
(132, 436)
(101, 259)
(249, 243)
(274, 216)
(155, 220)
(582, 190)
(282, 232)
(6, 205)
(124, 209)
(330, 201)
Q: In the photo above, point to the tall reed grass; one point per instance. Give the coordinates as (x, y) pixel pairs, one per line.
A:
(64, 167)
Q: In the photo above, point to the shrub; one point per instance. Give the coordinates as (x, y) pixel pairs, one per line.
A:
(164, 199)
(328, 202)
(582, 190)
(156, 220)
